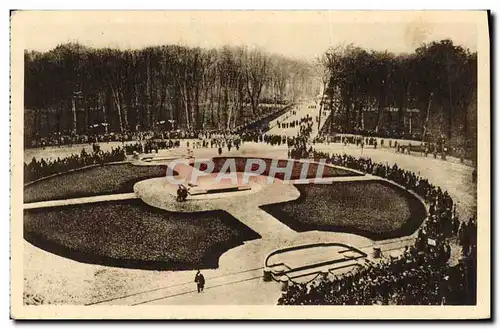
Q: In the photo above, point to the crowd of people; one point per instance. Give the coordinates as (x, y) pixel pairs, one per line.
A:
(37, 169)
(295, 123)
(417, 278)
(349, 139)
(219, 140)
(436, 145)
(299, 146)
(259, 122)
(59, 139)
(381, 133)
(421, 275)
(145, 143)
(150, 146)
(206, 139)
(435, 148)
(182, 193)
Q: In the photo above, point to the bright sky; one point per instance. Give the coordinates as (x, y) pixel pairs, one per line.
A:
(300, 34)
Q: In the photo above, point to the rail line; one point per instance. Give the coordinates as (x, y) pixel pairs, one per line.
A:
(192, 291)
(168, 287)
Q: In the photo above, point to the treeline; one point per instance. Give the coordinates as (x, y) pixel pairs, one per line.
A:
(174, 86)
(439, 79)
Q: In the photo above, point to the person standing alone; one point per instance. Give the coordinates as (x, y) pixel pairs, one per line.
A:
(200, 281)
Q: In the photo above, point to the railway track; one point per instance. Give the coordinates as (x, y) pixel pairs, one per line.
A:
(170, 291)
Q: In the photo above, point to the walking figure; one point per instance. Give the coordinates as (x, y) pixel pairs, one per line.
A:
(200, 281)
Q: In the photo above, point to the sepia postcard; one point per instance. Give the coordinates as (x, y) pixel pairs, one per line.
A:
(250, 165)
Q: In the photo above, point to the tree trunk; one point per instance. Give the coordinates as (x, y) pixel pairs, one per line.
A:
(427, 118)
(73, 109)
(254, 105)
(380, 116)
(331, 110)
(401, 112)
(118, 107)
(197, 107)
(211, 106)
(148, 93)
(186, 108)
(125, 112)
(348, 105)
(104, 115)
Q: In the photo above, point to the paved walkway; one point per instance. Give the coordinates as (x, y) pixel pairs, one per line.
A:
(302, 110)
(214, 284)
(261, 222)
(70, 202)
(246, 291)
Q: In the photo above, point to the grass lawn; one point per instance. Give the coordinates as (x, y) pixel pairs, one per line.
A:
(296, 168)
(107, 179)
(132, 234)
(375, 209)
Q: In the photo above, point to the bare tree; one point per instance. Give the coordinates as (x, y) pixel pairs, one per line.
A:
(256, 70)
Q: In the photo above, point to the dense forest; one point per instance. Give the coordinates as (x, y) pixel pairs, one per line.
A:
(438, 79)
(73, 88)
(77, 89)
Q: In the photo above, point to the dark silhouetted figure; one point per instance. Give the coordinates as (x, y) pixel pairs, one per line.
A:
(200, 281)
(181, 193)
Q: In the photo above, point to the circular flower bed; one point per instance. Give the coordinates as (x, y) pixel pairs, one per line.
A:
(134, 235)
(375, 209)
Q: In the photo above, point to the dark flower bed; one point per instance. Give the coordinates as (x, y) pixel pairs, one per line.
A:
(106, 179)
(132, 234)
(375, 209)
(296, 169)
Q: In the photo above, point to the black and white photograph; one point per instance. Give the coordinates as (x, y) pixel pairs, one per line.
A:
(250, 165)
